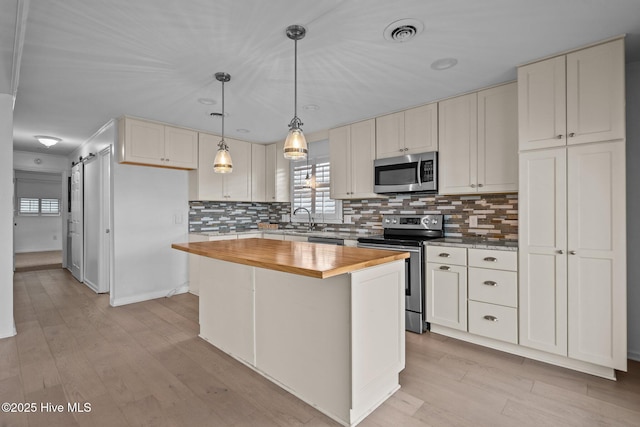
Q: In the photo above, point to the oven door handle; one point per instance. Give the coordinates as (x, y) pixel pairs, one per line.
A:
(420, 171)
(389, 248)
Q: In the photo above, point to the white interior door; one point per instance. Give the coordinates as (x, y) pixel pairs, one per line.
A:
(76, 224)
(105, 220)
(92, 227)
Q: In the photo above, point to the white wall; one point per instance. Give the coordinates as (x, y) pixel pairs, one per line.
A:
(7, 327)
(148, 201)
(633, 209)
(38, 233)
(39, 162)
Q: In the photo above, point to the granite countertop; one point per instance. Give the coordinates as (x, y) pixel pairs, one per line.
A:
(302, 258)
(475, 243)
(292, 232)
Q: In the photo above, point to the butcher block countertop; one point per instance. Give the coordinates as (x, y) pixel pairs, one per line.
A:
(302, 258)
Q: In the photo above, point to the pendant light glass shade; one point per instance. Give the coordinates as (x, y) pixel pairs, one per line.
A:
(295, 146)
(222, 163)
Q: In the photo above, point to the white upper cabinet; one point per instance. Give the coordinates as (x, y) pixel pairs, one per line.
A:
(351, 153)
(478, 139)
(258, 173)
(407, 132)
(498, 139)
(205, 184)
(277, 174)
(155, 144)
(573, 99)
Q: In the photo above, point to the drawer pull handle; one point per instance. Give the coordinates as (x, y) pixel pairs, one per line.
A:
(490, 318)
(444, 255)
(491, 259)
(445, 268)
(490, 283)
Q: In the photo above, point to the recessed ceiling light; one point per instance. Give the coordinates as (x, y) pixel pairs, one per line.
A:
(403, 30)
(207, 101)
(243, 130)
(311, 107)
(444, 64)
(47, 141)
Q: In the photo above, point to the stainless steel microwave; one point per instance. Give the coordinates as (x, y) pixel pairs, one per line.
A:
(412, 173)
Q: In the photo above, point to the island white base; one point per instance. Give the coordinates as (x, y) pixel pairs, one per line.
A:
(336, 343)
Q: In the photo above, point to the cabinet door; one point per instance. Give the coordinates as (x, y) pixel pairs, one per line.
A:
(498, 139)
(180, 148)
(339, 157)
(270, 173)
(204, 183)
(390, 135)
(542, 208)
(283, 172)
(143, 142)
(542, 104)
(597, 252)
(362, 153)
(458, 140)
(421, 129)
(595, 94)
(237, 184)
(446, 298)
(258, 173)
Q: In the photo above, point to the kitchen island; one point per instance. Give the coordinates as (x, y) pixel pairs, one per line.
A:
(324, 322)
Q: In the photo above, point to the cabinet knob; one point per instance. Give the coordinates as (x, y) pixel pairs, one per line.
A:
(473, 186)
(480, 185)
(406, 149)
(490, 259)
(559, 137)
(490, 283)
(490, 318)
(162, 159)
(572, 252)
(572, 134)
(401, 150)
(444, 255)
(445, 268)
(560, 252)
(166, 160)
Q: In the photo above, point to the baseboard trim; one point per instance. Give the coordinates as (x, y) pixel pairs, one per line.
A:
(149, 296)
(633, 355)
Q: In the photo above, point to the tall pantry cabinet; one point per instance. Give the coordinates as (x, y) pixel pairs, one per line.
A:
(572, 208)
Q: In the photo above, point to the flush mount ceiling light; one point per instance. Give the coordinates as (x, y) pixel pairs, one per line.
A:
(222, 162)
(403, 30)
(295, 146)
(444, 64)
(47, 141)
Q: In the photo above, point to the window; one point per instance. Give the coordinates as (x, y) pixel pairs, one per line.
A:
(314, 195)
(35, 206)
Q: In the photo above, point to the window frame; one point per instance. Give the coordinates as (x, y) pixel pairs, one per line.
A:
(38, 211)
(318, 217)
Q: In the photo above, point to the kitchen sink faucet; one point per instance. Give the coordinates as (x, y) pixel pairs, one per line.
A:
(311, 224)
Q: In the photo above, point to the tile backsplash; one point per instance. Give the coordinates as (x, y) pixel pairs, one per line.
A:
(496, 214)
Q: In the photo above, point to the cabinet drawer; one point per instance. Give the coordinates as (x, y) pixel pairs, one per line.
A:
(447, 255)
(493, 321)
(490, 258)
(493, 286)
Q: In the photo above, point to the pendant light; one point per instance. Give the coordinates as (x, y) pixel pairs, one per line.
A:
(295, 146)
(222, 162)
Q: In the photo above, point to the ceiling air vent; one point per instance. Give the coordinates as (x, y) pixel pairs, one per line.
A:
(403, 30)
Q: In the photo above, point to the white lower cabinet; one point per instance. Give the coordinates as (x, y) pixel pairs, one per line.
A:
(447, 286)
(474, 290)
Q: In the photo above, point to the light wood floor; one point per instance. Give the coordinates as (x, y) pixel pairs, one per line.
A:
(45, 260)
(143, 365)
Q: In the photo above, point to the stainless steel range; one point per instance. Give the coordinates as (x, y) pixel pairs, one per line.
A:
(407, 233)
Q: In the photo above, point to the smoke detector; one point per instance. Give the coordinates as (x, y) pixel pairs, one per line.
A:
(403, 30)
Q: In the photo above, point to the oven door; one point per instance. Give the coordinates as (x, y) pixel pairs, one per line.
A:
(414, 284)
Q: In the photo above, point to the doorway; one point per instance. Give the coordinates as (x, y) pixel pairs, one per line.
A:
(37, 220)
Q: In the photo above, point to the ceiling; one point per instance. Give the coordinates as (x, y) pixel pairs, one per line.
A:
(84, 62)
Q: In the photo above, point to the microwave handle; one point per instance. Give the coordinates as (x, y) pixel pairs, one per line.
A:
(420, 171)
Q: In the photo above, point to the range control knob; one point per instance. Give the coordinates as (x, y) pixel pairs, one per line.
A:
(395, 221)
(434, 221)
(387, 220)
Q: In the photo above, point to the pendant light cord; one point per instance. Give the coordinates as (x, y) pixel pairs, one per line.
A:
(295, 78)
(223, 111)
